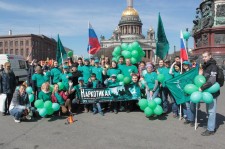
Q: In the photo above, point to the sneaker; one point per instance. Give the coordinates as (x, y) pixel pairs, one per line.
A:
(187, 122)
(17, 121)
(192, 124)
(95, 112)
(208, 133)
(3, 114)
(28, 117)
(115, 111)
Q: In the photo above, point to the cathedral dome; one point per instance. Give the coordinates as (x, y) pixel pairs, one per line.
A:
(129, 11)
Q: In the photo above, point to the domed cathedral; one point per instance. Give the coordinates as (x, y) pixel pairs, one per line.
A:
(129, 30)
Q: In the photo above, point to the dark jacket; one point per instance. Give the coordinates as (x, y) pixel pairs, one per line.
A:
(7, 82)
(210, 72)
(75, 76)
(30, 72)
(19, 101)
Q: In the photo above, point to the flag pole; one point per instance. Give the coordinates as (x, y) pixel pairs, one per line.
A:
(196, 115)
(88, 40)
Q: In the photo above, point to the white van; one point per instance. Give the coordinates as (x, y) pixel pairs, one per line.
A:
(18, 65)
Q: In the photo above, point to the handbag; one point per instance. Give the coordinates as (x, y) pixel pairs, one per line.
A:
(2, 102)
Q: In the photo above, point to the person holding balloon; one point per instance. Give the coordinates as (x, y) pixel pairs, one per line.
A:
(209, 70)
(62, 99)
(20, 105)
(45, 93)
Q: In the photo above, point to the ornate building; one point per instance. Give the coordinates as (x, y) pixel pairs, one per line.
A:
(129, 30)
(209, 29)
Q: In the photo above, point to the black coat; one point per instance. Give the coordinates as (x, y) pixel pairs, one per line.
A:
(7, 82)
(75, 76)
(210, 72)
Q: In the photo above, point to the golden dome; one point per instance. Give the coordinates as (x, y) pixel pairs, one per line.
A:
(129, 11)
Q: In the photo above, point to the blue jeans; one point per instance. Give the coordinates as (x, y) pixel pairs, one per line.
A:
(154, 94)
(190, 108)
(97, 106)
(164, 96)
(16, 112)
(211, 108)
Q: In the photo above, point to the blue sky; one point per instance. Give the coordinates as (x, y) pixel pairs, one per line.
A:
(69, 18)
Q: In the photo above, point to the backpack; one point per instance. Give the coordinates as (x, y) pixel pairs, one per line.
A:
(220, 76)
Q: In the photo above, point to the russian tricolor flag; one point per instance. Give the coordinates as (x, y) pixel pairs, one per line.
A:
(183, 51)
(93, 43)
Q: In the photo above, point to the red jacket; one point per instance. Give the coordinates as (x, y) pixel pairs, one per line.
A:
(62, 94)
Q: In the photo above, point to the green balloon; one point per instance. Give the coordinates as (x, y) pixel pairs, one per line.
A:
(124, 46)
(158, 110)
(130, 47)
(51, 88)
(70, 54)
(29, 90)
(39, 103)
(135, 45)
(186, 35)
(160, 77)
(152, 104)
(50, 111)
(48, 104)
(135, 54)
(126, 54)
(120, 77)
(190, 88)
(158, 100)
(114, 59)
(213, 89)
(117, 50)
(31, 97)
(143, 103)
(126, 80)
(199, 80)
(114, 54)
(133, 60)
(43, 112)
(55, 106)
(196, 97)
(207, 97)
(148, 112)
(61, 86)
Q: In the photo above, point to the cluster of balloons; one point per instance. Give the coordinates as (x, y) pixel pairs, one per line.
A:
(46, 108)
(151, 107)
(197, 96)
(132, 51)
(30, 92)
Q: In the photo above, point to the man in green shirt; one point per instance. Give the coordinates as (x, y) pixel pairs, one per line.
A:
(86, 70)
(128, 70)
(55, 74)
(98, 70)
(65, 77)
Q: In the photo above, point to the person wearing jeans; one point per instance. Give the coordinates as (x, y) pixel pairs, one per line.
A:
(209, 71)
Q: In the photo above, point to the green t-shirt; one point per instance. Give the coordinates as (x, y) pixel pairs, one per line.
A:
(47, 75)
(65, 80)
(86, 71)
(39, 78)
(127, 70)
(98, 72)
(44, 96)
(112, 71)
(110, 83)
(150, 79)
(55, 73)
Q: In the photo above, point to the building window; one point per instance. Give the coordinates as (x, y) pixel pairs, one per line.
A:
(21, 52)
(0, 44)
(21, 43)
(17, 52)
(6, 51)
(27, 52)
(1, 51)
(11, 43)
(11, 51)
(6, 43)
(16, 43)
(27, 42)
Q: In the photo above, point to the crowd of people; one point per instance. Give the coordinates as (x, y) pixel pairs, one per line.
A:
(102, 73)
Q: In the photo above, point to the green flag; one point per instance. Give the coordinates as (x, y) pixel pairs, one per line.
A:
(60, 52)
(177, 84)
(162, 45)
